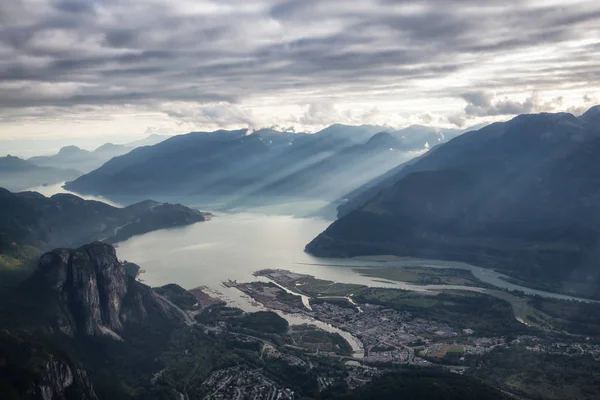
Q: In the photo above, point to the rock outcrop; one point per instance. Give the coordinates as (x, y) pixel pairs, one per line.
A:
(60, 378)
(92, 291)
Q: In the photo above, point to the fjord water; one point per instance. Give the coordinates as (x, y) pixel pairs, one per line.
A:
(233, 246)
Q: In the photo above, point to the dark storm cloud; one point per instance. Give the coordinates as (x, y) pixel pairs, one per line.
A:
(134, 51)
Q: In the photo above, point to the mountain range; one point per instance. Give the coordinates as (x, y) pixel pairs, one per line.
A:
(264, 166)
(73, 157)
(18, 174)
(519, 196)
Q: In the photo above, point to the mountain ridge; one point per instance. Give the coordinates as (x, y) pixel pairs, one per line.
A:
(65, 220)
(74, 157)
(19, 174)
(246, 168)
(501, 197)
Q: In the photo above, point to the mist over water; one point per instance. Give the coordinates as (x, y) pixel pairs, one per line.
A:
(50, 190)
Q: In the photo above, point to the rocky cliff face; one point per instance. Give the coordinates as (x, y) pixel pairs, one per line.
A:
(89, 285)
(60, 381)
(59, 323)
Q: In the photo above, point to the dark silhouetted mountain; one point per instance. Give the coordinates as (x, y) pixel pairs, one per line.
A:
(29, 218)
(360, 195)
(520, 196)
(264, 165)
(414, 137)
(18, 174)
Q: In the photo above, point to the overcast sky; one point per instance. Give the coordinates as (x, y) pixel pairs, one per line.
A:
(79, 69)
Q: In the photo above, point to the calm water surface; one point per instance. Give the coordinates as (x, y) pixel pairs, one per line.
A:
(233, 246)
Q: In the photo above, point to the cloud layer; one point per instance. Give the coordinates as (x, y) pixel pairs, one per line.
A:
(196, 63)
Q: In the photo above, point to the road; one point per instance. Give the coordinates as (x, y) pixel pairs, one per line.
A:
(186, 317)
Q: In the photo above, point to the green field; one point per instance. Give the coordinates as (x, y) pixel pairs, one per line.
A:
(423, 275)
(312, 286)
(312, 338)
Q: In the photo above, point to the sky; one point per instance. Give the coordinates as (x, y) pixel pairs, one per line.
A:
(91, 71)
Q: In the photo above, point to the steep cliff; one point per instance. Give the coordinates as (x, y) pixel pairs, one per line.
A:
(80, 314)
(87, 291)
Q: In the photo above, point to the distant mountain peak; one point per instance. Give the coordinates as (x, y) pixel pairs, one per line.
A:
(267, 131)
(109, 147)
(591, 115)
(70, 150)
(15, 162)
(9, 157)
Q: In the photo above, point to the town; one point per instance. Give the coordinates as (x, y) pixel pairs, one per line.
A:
(385, 337)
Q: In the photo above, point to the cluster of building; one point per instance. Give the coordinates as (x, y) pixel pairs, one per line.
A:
(377, 325)
(391, 336)
(482, 345)
(403, 356)
(534, 343)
